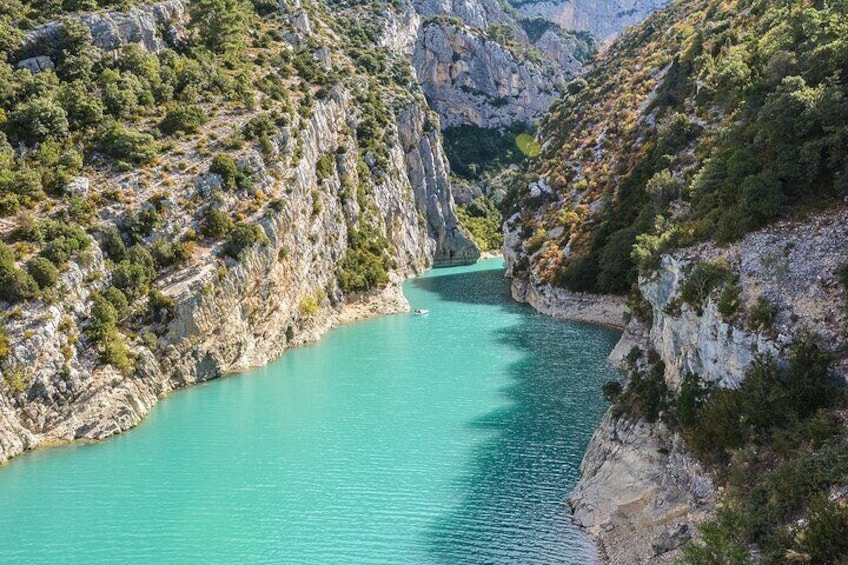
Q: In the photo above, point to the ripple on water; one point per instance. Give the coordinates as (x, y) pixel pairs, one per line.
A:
(448, 438)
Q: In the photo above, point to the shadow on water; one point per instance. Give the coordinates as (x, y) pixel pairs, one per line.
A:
(487, 287)
(514, 509)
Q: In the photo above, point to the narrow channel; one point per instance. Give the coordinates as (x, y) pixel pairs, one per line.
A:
(451, 437)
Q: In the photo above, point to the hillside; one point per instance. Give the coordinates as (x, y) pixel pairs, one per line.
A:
(708, 121)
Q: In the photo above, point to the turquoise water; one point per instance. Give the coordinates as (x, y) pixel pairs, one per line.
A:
(448, 438)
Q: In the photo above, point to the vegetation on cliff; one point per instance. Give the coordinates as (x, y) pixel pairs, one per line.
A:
(777, 444)
(707, 121)
(170, 153)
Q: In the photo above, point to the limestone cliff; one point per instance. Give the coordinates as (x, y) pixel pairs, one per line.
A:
(490, 64)
(316, 185)
(471, 79)
(151, 26)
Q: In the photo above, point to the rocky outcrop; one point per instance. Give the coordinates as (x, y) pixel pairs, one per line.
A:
(475, 13)
(232, 315)
(577, 306)
(639, 492)
(428, 174)
(605, 18)
(152, 27)
(793, 265)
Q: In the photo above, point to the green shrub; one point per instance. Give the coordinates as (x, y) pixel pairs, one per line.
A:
(183, 120)
(761, 196)
(242, 237)
(21, 188)
(325, 167)
(150, 340)
(83, 110)
(113, 244)
(612, 390)
(825, 537)
(61, 248)
(117, 354)
(690, 400)
(160, 308)
(126, 145)
(770, 398)
(168, 253)
(134, 274)
(38, 120)
(43, 272)
(717, 430)
(365, 263)
(5, 348)
(259, 127)
(535, 243)
(649, 394)
(225, 166)
(221, 24)
(309, 306)
(104, 318)
(17, 379)
(15, 284)
(720, 543)
(729, 300)
(703, 278)
(117, 299)
(215, 223)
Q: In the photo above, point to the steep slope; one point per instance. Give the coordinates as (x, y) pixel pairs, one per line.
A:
(271, 179)
(706, 122)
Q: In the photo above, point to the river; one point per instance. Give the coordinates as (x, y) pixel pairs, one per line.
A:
(448, 438)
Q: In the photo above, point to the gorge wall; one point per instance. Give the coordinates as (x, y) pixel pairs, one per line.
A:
(491, 64)
(314, 191)
(605, 19)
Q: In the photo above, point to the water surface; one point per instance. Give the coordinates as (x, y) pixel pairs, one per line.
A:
(449, 438)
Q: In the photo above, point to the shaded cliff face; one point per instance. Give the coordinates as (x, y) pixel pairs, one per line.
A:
(322, 194)
(488, 64)
(605, 18)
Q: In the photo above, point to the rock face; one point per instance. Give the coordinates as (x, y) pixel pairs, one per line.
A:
(247, 313)
(639, 491)
(474, 13)
(152, 27)
(471, 79)
(487, 64)
(793, 265)
(580, 307)
(428, 174)
(603, 18)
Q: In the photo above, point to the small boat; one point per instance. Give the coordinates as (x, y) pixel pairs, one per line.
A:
(421, 311)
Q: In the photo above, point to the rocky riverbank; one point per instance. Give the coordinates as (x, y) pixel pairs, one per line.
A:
(576, 306)
(315, 189)
(641, 494)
